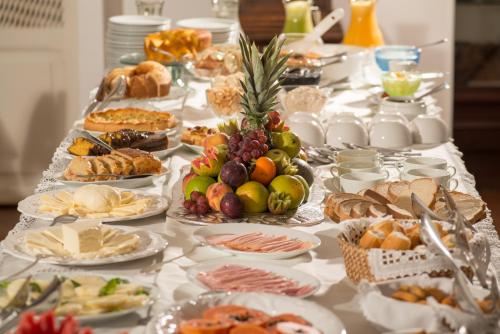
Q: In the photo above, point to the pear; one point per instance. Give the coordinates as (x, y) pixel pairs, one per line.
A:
(286, 141)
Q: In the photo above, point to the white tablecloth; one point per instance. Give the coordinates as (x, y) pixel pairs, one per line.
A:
(336, 293)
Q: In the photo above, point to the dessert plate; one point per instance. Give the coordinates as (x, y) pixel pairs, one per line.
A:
(123, 183)
(29, 206)
(150, 243)
(302, 279)
(320, 317)
(203, 233)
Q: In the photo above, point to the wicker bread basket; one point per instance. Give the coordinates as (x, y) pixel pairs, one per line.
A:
(377, 264)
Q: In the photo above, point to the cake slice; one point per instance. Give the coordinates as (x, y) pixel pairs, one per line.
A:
(144, 162)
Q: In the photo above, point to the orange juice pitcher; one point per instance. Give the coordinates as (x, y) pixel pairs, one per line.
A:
(363, 29)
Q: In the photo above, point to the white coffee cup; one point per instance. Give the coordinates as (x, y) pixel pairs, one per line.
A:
(390, 134)
(308, 127)
(357, 155)
(346, 129)
(426, 162)
(439, 176)
(429, 129)
(357, 181)
(357, 166)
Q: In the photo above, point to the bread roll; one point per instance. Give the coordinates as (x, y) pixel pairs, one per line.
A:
(414, 234)
(386, 227)
(397, 241)
(449, 240)
(371, 239)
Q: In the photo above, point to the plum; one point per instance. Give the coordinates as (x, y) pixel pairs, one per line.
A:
(233, 173)
(231, 206)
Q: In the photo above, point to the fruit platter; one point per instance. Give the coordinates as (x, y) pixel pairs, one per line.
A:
(254, 170)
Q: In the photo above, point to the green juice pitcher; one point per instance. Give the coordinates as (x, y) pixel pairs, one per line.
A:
(299, 16)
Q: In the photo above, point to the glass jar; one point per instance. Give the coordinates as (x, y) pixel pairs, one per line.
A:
(149, 7)
(225, 9)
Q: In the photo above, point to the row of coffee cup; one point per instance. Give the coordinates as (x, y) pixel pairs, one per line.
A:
(356, 170)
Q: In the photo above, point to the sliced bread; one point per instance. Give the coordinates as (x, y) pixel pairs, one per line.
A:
(395, 189)
(398, 212)
(426, 189)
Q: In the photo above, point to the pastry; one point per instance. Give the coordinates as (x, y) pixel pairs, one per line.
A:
(196, 135)
(149, 79)
(178, 43)
(142, 140)
(123, 161)
(129, 118)
(396, 240)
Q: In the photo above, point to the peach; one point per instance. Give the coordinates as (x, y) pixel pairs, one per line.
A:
(186, 180)
(214, 194)
(214, 140)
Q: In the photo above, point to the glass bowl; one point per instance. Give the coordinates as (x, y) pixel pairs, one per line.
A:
(399, 84)
(385, 54)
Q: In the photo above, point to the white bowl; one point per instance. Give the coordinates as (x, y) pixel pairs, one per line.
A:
(429, 129)
(308, 128)
(390, 134)
(408, 109)
(346, 129)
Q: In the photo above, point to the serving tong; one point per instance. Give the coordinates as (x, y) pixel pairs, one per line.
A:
(47, 299)
(101, 101)
(477, 263)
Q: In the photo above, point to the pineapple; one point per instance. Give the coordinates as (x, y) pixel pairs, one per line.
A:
(262, 80)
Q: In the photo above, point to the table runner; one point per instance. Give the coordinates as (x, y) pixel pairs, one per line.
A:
(336, 292)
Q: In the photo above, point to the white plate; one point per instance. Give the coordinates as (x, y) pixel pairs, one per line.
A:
(154, 293)
(29, 206)
(138, 20)
(296, 275)
(150, 244)
(237, 228)
(321, 318)
(126, 183)
(208, 23)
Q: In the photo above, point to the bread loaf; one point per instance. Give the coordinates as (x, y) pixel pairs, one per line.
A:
(149, 79)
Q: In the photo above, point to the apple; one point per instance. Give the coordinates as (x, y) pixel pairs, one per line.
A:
(186, 180)
(215, 193)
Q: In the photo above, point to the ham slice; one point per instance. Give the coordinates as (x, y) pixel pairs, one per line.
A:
(257, 242)
(231, 277)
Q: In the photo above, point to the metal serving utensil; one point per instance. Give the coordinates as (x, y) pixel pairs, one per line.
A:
(56, 220)
(9, 321)
(101, 100)
(96, 140)
(463, 295)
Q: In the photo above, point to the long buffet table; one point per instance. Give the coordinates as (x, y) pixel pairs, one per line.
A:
(337, 293)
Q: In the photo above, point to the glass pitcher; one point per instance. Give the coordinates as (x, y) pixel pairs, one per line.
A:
(299, 16)
(363, 29)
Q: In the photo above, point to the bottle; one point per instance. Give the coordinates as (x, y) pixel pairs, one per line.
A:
(363, 29)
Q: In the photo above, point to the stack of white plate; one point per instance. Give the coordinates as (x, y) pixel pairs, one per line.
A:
(126, 34)
(223, 30)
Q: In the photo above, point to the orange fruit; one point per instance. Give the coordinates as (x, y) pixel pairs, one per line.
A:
(264, 171)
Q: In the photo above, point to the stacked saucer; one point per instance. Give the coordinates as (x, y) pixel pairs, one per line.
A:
(125, 34)
(223, 30)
